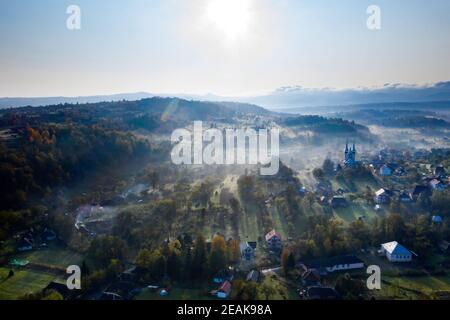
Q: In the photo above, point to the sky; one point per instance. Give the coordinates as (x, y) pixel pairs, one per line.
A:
(224, 47)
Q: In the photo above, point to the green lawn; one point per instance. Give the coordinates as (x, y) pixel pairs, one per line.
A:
(24, 281)
(250, 226)
(426, 284)
(412, 287)
(356, 185)
(53, 257)
(279, 221)
(355, 210)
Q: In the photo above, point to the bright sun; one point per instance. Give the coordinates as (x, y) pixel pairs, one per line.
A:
(230, 16)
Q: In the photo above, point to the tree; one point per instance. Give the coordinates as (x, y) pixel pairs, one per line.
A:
(423, 202)
(328, 167)
(368, 196)
(440, 201)
(158, 265)
(287, 261)
(359, 234)
(174, 262)
(143, 259)
(348, 287)
(187, 263)
(199, 257)
(309, 199)
(249, 291)
(396, 228)
(202, 192)
(52, 295)
(105, 248)
(235, 252)
(318, 173)
(246, 187)
(423, 237)
(153, 177)
(166, 209)
(218, 256)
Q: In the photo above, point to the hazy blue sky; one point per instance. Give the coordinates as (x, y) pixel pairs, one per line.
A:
(191, 46)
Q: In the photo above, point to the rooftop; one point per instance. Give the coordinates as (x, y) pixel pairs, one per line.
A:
(394, 247)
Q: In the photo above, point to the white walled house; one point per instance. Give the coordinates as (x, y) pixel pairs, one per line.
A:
(382, 196)
(395, 252)
(385, 171)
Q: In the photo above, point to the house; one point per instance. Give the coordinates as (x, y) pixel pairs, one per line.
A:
(61, 288)
(247, 251)
(322, 293)
(302, 191)
(338, 263)
(48, 235)
(382, 196)
(385, 171)
(376, 163)
(25, 244)
(223, 275)
(273, 240)
(163, 293)
(253, 245)
(437, 185)
(311, 277)
(123, 288)
(253, 276)
(400, 172)
(439, 171)
(444, 246)
(338, 202)
(404, 197)
(324, 188)
(436, 219)
(418, 190)
(395, 252)
(224, 290)
(129, 275)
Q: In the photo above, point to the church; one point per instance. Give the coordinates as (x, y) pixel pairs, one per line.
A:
(350, 156)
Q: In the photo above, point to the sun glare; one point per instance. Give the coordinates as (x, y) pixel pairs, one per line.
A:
(230, 16)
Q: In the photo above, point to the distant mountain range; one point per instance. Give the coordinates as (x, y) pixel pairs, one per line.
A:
(297, 97)
(282, 98)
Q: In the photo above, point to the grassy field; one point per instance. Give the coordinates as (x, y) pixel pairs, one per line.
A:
(250, 226)
(27, 280)
(355, 210)
(356, 185)
(412, 287)
(53, 257)
(23, 282)
(279, 221)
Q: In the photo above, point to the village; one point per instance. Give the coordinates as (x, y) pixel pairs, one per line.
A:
(275, 264)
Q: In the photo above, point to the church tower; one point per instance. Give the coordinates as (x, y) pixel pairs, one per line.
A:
(346, 152)
(350, 155)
